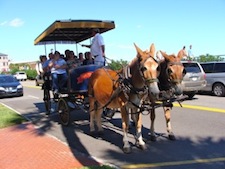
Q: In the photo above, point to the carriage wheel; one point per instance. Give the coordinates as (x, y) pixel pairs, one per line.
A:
(47, 101)
(64, 111)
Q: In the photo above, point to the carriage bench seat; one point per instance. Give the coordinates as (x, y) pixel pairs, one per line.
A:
(78, 78)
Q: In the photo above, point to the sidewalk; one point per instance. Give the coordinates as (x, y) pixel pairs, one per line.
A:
(24, 147)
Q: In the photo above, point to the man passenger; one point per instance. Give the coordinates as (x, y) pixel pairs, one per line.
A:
(58, 68)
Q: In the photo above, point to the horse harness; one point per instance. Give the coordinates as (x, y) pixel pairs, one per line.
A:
(166, 84)
(125, 85)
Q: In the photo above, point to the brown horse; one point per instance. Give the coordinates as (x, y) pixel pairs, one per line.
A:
(170, 78)
(124, 90)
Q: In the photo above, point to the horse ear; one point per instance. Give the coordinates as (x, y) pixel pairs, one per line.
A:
(139, 51)
(152, 50)
(164, 55)
(181, 54)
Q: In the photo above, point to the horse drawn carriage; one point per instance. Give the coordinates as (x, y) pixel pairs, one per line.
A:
(71, 32)
(136, 88)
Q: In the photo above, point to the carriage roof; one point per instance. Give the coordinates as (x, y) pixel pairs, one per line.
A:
(71, 31)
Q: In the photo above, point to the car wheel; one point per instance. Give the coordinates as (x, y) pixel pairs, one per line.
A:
(190, 94)
(36, 83)
(219, 90)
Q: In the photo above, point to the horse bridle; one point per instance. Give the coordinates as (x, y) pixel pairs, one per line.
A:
(142, 69)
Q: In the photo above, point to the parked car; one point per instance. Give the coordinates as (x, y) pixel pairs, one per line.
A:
(21, 76)
(194, 79)
(39, 80)
(10, 86)
(215, 77)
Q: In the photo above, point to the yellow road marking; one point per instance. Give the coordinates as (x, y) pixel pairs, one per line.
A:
(175, 104)
(37, 87)
(175, 163)
(200, 108)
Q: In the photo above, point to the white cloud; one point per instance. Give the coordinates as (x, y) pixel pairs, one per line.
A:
(17, 22)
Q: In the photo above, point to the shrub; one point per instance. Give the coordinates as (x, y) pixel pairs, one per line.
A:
(31, 74)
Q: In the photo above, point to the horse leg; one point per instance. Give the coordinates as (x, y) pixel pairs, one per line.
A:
(152, 129)
(168, 123)
(133, 118)
(139, 139)
(98, 115)
(92, 115)
(125, 126)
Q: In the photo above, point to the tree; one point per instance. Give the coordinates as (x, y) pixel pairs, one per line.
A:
(117, 64)
(208, 58)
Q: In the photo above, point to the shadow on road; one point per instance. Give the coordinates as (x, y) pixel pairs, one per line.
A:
(163, 150)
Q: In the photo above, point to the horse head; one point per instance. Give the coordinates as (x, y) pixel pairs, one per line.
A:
(172, 72)
(144, 71)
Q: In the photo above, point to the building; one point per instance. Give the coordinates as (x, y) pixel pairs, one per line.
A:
(4, 63)
(26, 65)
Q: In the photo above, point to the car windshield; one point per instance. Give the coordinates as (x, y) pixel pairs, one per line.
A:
(192, 67)
(7, 79)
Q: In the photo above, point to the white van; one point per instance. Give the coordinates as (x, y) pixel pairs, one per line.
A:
(21, 76)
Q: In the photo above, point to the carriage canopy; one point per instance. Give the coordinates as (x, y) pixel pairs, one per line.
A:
(71, 31)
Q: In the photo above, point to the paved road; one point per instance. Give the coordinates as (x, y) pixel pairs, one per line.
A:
(198, 127)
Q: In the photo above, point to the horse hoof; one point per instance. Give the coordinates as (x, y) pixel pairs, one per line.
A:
(153, 138)
(172, 137)
(142, 147)
(127, 150)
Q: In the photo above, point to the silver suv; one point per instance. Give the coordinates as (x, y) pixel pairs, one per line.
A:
(194, 79)
(215, 76)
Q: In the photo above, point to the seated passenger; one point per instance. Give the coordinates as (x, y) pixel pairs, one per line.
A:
(47, 73)
(38, 66)
(81, 58)
(88, 59)
(58, 71)
(72, 61)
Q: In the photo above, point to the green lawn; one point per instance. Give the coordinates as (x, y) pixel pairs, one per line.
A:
(9, 118)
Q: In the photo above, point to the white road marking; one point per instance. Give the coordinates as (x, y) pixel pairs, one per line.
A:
(33, 97)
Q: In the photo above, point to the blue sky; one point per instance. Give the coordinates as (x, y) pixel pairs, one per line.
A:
(169, 24)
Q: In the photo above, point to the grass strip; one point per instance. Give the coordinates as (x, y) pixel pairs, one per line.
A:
(9, 118)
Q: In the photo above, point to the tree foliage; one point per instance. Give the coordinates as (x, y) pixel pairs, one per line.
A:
(117, 64)
(31, 74)
(209, 58)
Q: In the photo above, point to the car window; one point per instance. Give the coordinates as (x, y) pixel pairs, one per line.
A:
(7, 79)
(207, 67)
(192, 67)
(219, 67)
